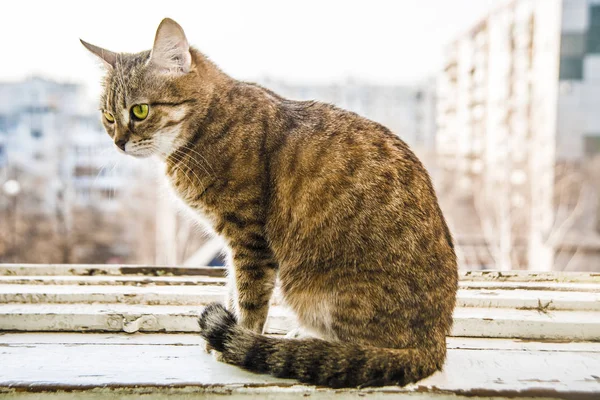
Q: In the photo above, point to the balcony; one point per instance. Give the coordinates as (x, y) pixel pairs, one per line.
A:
(111, 331)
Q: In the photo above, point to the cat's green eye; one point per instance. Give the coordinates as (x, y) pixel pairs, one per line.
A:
(109, 117)
(140, 111)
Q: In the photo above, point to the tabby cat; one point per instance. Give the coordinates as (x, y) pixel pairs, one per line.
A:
(334, 205)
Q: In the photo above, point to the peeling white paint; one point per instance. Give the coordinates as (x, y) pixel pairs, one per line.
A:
(116, 299)
(121, 269)
(202, 294)
(159, 365)
(121, 299)
(468, 322)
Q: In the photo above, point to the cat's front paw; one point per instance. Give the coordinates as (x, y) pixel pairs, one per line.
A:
(216, 325)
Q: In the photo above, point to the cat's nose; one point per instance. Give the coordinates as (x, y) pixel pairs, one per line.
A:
(121, 142)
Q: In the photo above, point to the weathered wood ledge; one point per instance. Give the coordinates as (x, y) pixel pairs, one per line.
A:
(516, 335)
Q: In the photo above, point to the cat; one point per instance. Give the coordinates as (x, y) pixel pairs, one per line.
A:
(334, 205)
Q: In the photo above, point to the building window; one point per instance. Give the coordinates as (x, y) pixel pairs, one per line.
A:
(108, 194)
(593, 37)
(83, 194)
(573, 44)
(571, 68)
(591, 145)
(85, 171)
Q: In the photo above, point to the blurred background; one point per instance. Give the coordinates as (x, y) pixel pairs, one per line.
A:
(500, 99)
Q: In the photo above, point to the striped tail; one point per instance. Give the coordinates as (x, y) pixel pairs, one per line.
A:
(312, 361)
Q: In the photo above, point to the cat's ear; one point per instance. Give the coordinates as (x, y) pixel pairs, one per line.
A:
(171, 50)
(108, 57)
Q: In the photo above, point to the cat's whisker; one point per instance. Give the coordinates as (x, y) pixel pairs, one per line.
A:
(184, 155)
(113, 189)
(115, 163)
(102, 168)
(187, 147)
(180, 168)
(191, 170)
(105, 161)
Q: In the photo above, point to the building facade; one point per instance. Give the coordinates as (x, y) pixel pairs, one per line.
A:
(50, 134)
(70, 175)
(516, 110)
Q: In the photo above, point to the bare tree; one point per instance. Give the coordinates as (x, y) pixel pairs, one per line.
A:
(574, 235)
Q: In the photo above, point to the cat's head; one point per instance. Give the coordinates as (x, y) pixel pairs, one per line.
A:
(149, 97)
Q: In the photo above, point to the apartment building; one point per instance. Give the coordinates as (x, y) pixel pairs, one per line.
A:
(518, 121)
(51, 136)
(70, 175)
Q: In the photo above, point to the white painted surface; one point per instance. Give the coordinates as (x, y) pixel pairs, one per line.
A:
(187, 339)
(122, 299)
(509, 323)
(484, 367)
(470, 322)
(94, 269)
(157, 270)
(206, 280)
(519, 298)
(527, 276)
(179, 295)
(110, 280)
(112, 299)
(195, 295)
(559, 286)
(151, 295)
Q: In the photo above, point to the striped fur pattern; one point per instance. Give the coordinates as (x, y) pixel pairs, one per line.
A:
(334, 205)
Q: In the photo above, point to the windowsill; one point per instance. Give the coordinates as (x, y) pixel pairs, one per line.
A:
(77, 365)
(516, 335)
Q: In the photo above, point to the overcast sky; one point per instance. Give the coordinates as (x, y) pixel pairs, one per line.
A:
(399, 41)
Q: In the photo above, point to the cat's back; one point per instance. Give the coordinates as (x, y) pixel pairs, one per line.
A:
(346, 187)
